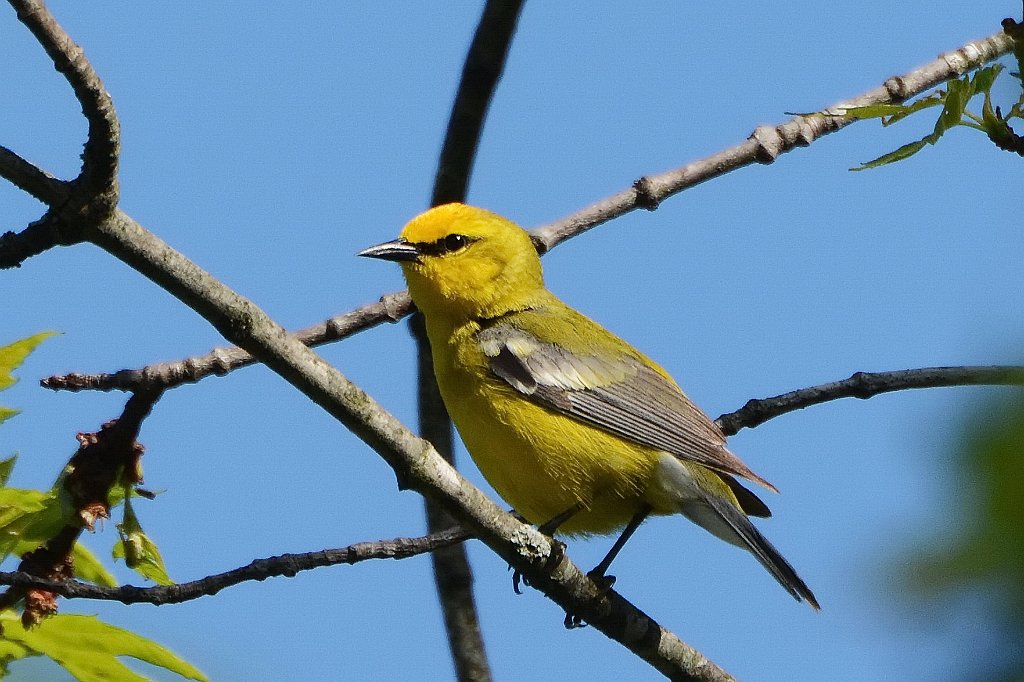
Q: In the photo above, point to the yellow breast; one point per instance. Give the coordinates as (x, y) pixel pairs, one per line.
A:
(540, 462)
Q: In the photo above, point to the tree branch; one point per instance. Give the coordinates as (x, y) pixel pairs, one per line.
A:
(30, 178)
(220, 361)
(481, 72)
(102, 459)
(767, 143)
(259, 569)
(453, 577)
(866, 385)
(98, 178)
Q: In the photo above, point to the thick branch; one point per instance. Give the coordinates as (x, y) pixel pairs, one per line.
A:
(866, 385)
(259, 569)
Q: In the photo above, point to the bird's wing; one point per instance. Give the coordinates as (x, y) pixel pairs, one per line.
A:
(612, 391)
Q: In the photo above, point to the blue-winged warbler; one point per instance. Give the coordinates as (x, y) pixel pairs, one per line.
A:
(575, 428)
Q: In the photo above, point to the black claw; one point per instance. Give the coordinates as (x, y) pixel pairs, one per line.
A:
(573, 622)
(517, 578)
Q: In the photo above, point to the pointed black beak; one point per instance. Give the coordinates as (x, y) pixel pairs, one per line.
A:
(398, 250)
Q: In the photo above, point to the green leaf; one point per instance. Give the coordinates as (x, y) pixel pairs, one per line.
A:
(903, 152)
(6, 467)
(895, 112)
(12, 651)
(933, 100)
(89, 649)
(875, 111)
(6, 413)
(89, 568)
(13, 355)
(138, 551)
(984, 78)
(28, 518)
(959, 92)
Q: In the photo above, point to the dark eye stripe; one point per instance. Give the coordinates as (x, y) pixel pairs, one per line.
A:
(447, 244)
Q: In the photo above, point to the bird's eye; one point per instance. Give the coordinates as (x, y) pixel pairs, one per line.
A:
(454, 242)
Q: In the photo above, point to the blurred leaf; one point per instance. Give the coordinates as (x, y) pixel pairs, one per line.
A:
(987, 557)
(992, 547)
(10, 652)
(27, 519)
(13, 355)
(89, 568)
(6, 467)
(89, 648)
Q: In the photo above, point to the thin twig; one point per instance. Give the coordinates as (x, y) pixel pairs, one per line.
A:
(259, 569)
(866, 385)
(220, 361)
(767, 143)
(28, 177)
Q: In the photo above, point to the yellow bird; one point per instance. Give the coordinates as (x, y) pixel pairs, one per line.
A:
(575, 428)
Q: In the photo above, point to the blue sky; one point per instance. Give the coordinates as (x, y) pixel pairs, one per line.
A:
(270, 142)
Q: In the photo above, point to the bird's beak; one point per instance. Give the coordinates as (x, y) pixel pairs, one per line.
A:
(398, 250)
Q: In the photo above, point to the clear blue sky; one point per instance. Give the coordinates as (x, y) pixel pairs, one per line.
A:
(270, 142)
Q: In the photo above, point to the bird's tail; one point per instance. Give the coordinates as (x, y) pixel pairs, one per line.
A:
(722, 518)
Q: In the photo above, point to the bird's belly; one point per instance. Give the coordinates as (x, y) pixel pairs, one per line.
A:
(544, 463)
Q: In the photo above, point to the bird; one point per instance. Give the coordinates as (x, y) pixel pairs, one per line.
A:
(577, 430)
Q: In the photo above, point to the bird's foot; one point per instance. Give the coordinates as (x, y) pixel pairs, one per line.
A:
(604, 582)
(557, 552)
(573, 622)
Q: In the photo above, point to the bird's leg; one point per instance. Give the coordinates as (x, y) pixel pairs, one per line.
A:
(549, 528)
(597, 574)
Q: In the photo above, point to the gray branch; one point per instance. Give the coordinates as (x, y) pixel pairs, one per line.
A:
(259, 569)
(865, 385)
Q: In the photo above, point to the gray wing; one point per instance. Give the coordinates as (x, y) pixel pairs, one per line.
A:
(618, 394)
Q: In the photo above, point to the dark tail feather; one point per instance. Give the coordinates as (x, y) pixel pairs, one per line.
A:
(752, 540)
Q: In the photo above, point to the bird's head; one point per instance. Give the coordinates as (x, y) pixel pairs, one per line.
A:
(464, 262)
